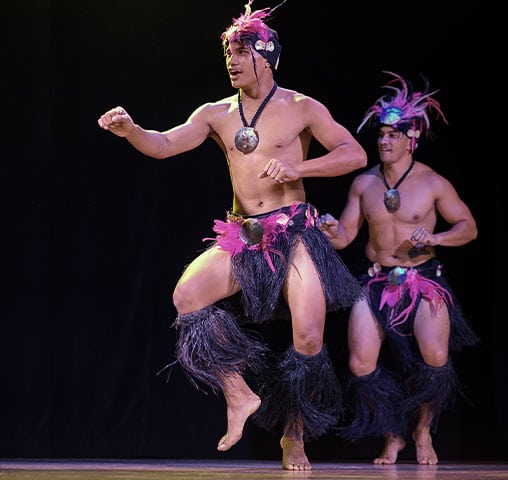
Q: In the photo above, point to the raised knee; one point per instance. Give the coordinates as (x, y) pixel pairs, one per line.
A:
(183, 296)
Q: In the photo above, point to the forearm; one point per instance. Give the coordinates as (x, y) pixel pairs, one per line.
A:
(460, 234)
(335, 232)
(149, 142)
(341, 161)
(339, 240)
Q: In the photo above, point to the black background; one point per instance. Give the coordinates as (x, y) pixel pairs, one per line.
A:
(95, 235)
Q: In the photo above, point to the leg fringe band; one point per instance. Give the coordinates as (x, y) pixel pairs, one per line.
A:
(211, 346)
(301, 392)
(438, 386)
(375, 402)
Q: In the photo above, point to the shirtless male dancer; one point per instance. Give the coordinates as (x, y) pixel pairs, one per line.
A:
(409, 306)
(269, 247)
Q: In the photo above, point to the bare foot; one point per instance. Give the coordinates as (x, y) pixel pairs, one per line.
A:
(293, 454)
(425, 453)
(393, 445)
(242, 402)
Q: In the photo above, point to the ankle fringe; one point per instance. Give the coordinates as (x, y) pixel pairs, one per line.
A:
(301, 392)
(211, 345)
(438, 386)
(374, 401)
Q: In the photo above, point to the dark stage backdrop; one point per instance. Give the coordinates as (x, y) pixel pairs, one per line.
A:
(95, 235)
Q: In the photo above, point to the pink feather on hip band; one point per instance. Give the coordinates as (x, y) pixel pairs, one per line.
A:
(413, 284)
(229, 238)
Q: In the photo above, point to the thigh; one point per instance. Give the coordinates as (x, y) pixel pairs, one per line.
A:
(365, 337)
(305, 297)
(432, 332)
(206, 280)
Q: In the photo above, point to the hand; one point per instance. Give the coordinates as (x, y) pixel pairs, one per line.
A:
(279, 171)
(117, 120)
(422, 237)
(329, 225)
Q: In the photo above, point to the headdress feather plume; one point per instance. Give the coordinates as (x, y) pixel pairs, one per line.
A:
(250, 27)
(404, 109)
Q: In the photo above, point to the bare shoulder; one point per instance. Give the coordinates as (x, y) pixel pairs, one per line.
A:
(226, 101)
(292, 97)
(287, 94)
(213, 109)
(363, 180)
(433, 180)
(431, 177)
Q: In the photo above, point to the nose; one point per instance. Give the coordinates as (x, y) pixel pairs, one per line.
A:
(233, 59)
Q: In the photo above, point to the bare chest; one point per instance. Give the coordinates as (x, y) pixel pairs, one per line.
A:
(406, 204)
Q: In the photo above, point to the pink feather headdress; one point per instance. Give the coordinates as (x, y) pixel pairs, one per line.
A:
(404, 109)
(250, 28)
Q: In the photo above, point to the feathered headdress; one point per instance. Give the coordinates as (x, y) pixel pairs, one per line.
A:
(250, 28)
(404, 109)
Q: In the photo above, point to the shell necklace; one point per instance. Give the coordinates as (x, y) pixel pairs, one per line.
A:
(247, 139)
(392, 196)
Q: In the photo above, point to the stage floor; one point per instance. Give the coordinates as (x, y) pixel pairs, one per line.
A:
(40, 469)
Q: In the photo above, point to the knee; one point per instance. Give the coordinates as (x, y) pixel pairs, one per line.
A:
(360, 366)
(436, 357)
(308, 344)
(183, 296)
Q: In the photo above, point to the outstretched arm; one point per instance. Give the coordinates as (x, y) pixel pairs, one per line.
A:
(157, 144)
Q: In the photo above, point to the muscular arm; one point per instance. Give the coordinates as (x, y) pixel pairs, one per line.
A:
(344, 155)
(157, 144)
(343, 231)
(455, 212)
